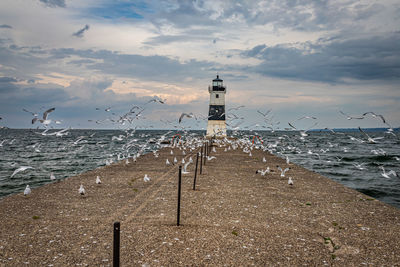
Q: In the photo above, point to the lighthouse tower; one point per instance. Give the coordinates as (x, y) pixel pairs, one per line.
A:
(216, 115)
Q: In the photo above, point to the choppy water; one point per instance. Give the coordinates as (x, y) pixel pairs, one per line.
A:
(332, 155)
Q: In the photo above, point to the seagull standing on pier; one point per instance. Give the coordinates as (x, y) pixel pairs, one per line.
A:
(290, 181)
(27, 190)
(98, 181)
(184, 171)
(146, 178)
(82, 190)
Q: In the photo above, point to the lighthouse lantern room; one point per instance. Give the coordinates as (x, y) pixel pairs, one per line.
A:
(216, 115)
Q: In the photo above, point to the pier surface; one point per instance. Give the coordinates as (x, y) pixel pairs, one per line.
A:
(235, 217)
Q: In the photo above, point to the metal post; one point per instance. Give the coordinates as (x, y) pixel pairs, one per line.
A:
(201, 160)
(195, 172)
(116, 244)
(205, 153)
(179, 196)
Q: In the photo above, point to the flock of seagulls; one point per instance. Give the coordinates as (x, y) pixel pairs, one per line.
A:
(133, 147)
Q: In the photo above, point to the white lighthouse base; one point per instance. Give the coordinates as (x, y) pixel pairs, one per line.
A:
(216, 128)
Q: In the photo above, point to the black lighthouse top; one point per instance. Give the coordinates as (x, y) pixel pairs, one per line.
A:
(217, 84)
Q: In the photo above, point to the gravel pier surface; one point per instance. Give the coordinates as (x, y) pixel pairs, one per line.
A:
(235, 217)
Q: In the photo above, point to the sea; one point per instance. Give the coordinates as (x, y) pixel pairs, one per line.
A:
(344, 156)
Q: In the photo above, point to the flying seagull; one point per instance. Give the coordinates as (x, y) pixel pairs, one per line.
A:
(370, 139)
(44, 121)
(351, 117)
(21, 169)
(190, 115)
(283, 171)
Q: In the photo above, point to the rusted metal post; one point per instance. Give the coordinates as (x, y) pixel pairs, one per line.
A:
(117, 228)
(195, 172)
(179, 196)
(201, 160)
(205, 153)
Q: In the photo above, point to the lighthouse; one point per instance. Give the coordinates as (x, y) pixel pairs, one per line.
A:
(216, 115)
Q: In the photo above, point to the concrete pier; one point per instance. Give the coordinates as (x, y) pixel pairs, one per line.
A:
(235, 217)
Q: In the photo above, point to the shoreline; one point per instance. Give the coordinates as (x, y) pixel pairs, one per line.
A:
(235, 217)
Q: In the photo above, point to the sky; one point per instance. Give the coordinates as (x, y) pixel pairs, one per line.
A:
(291, 58)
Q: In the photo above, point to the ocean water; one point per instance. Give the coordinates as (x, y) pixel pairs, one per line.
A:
(344, 157)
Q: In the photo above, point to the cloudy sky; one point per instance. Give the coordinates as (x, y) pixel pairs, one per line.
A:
(297, 58)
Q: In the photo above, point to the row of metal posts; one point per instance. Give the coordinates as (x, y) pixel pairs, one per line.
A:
(116, 247)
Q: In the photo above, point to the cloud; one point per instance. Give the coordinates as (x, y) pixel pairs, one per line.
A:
(80, 33)
(5, 26)
(54, 3)
(330, 61)
(7, 79)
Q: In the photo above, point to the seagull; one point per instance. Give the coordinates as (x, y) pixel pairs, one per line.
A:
(359, 166)
(263, 172)
(146, 178)
(175, 160)
(27, 190)
(172, 152)
(34, 114)
(283, 171)
(183, 161)
(287, 160)
(290, 181)
(210, 158)
(370, 139)
(44, 121)
(52, 177)
(375, 116)
(156, 99)
(264, 160)
(184, 171)
(190, 160)
(167, 162)
(190, 115)
(81, 190)
(307, 117)
(264, 114)
(21, 169)
(387, 174)
(351, 117)
(98, 181)
(236, 108)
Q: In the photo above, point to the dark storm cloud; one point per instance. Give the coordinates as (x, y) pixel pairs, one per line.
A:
(364, 59)
(5, 26)
(80, 33)
(54, 3)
